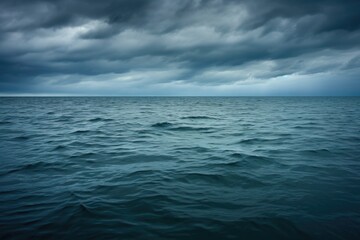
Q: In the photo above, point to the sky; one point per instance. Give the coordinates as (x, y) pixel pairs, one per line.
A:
(180, 47)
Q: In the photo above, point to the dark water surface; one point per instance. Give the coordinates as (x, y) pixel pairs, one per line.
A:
(180, 168)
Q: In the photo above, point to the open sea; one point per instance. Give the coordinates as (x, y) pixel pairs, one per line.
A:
(180, 168)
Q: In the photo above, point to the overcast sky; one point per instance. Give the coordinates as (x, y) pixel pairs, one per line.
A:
(180, 47)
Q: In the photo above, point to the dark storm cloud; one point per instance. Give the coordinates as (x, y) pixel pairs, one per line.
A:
(150, 47)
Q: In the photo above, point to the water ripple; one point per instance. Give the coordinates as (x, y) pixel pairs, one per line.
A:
(179, 168)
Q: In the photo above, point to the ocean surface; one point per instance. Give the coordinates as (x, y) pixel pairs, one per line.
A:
(180, 168)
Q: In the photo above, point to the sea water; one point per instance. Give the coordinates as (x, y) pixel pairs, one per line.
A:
(180, 168)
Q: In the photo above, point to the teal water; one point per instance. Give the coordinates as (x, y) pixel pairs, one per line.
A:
(180, 168)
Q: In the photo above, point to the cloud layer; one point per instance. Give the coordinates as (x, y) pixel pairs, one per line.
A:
(180, 47)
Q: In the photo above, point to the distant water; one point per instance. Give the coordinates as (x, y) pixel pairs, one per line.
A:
(180, 168)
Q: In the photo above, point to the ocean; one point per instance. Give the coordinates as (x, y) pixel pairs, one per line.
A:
(180, 168)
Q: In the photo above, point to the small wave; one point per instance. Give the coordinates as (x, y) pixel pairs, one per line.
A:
(98, 119)
(221, 179)
(186, 128)
(39, 166)
(267, 228)
(5, 122)
(207, 177)
(352, 138)
(74, 210)
(162, 124)
(317, 152)
(86, 131)
(141, 158)
(85, 209)
(83, 155)
(59, 147)
(238, 155)
(228, 164)
(80, 131)
(142, 173)
(196, 149)
(257, 140)
(172, 127)
(22, 138)
(251, 159)
(308, 127)
(63, 119)
(198, 117)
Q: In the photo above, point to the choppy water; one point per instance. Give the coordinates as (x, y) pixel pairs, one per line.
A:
(180, 168)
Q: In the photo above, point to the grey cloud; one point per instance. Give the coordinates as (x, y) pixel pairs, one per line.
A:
(203, 42)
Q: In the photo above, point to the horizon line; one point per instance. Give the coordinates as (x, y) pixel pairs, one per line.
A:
(54, 96)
